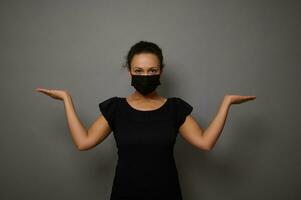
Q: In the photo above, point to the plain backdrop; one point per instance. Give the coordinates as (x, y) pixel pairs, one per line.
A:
(210, 48)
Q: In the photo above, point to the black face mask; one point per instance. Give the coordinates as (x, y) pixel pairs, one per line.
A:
(145, 84)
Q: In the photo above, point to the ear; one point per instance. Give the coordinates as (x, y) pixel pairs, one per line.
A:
(129, 73)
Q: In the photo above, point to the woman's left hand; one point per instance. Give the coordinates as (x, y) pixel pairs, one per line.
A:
(237, 99)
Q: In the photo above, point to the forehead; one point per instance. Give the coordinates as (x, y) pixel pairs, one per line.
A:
(145, 60)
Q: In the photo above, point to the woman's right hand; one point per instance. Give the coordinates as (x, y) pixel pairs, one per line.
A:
(56, 94)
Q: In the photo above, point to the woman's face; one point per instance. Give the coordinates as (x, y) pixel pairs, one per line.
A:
(145, 64)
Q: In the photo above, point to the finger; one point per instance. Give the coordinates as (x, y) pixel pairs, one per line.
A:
(249, 97)
(252, 97)
(40, 89)
(45, 91)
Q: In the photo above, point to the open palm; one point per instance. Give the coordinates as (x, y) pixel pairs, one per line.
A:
(56, 94)
(237, 99)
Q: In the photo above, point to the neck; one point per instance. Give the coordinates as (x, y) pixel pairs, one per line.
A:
(152, 95)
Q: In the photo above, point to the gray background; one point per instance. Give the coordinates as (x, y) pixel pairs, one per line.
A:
(211, 48)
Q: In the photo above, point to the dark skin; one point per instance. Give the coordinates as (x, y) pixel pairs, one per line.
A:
(146, 64)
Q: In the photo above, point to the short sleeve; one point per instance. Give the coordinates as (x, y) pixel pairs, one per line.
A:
(183, 109)
(108, 109)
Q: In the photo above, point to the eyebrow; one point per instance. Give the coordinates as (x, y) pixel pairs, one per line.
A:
(149, 68)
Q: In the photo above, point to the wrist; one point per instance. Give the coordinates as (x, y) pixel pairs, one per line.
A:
(227, 100)
(66, 97)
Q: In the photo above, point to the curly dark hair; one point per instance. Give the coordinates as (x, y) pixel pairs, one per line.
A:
(143, 47)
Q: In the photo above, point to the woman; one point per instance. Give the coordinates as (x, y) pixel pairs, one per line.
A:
(145, 125)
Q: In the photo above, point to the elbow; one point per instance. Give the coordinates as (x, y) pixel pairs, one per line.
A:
(81, 147)
(83, 144)
(207, 147)
(204, 147)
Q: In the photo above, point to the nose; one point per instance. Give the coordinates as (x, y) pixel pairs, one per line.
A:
(144, 74)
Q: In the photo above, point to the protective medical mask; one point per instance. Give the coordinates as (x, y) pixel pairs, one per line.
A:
(145, 84)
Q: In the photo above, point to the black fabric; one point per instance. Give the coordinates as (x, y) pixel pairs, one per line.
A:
(108, 108)
(146, 168)
(183, 109)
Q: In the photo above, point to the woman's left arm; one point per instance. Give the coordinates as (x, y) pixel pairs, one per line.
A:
(192, 132)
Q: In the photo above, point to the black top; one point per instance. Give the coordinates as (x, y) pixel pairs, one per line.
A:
(145, 140)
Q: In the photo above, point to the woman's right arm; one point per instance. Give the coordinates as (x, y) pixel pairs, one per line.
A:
(83, 138)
